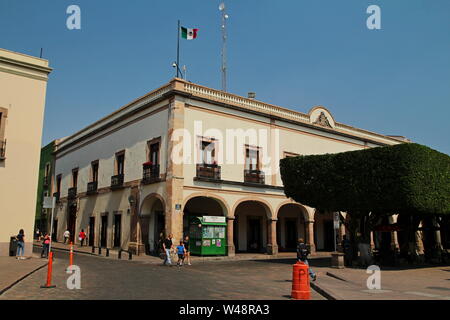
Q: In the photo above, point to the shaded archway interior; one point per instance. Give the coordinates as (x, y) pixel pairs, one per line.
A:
(251, 226)
(152, 223)
(199, 207)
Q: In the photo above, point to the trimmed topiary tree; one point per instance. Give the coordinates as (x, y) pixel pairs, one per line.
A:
(406, 179)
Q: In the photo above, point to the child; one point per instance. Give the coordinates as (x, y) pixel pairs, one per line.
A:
(181, 252)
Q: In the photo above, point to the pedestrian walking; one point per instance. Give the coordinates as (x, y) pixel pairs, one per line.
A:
(188, 253)
(20, 245)
(181, 251)
(82, 237)
(45, 246)
(66, 236)
(302, 255)
(168, 246)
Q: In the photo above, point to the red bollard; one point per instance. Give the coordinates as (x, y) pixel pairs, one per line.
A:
(71, 255)
(300, 282)
(49, 272)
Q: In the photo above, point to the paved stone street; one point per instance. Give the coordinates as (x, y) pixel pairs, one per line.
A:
(107, 278)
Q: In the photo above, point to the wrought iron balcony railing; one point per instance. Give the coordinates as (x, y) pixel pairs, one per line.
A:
(254, 176)
(208, 171)
(117, 181)
(150, 173)
(92, 187)
(72, 193)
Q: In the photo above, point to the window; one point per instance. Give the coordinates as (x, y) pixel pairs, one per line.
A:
(153, 154)
(120, 163)
(94, 171)
(47, 170)
(252, 155)
(208, 151)
(58, 183)
(74, 177)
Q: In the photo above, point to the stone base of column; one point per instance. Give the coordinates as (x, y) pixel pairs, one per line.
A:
(272, 249)
(136, 248)
(337, 260)
(312, 248)
(231, 251)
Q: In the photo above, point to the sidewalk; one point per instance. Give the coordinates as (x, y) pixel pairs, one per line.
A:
(113, 254)
(13, 270)
(415, 283)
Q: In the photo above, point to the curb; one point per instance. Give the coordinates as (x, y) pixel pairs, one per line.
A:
(2, 291)
(68, 250)
(323, 292)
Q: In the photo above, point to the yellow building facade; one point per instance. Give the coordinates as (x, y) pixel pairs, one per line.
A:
(23, 84)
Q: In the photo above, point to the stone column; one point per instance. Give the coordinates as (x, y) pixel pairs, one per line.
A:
(135, 244)
(272, 247)
(372, 242)
(419, 242)
(310, 235)
(437, 233)
(394, 241)
(230, 237)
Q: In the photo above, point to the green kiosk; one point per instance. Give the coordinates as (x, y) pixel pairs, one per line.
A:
(207, 236)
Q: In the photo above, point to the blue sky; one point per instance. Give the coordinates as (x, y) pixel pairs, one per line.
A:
(295, 54)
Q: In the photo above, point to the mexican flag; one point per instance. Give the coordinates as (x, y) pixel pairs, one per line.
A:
(188, 34)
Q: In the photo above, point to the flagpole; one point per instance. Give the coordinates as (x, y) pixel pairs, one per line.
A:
(178, 47)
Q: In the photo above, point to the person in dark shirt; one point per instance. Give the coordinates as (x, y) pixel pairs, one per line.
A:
(188, 253)
(20, 244)
(302, 255)
(168, 245)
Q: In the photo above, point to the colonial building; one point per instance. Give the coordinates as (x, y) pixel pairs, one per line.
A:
(23, 84)
(185, 150)
(45, 185)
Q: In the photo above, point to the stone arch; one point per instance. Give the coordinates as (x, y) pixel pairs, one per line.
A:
(252, 218)
(155, 196)
(292, 222)
(222, 202)
(151, 221)
(264, 203)
(202, 204)
(302, 208)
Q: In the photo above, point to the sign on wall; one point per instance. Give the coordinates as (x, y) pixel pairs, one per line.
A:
(49, 203)
(213, 219)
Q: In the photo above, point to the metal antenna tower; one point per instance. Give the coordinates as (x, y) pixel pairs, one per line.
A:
(224, 45)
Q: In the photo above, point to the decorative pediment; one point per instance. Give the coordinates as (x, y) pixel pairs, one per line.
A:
(322, 120)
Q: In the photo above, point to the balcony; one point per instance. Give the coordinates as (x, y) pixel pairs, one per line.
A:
(46, 181)
(208, 171)
(150, 173)
(254, 176)
(72, 193)
(117, 181)
(2, 149)
(56, 195)
(92, 187)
